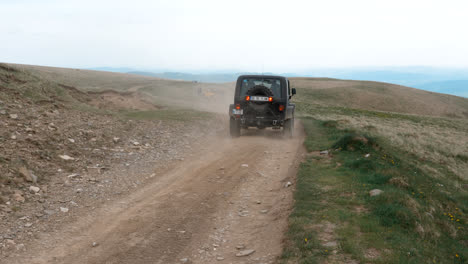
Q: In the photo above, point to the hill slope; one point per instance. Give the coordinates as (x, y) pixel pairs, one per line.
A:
(378, 96)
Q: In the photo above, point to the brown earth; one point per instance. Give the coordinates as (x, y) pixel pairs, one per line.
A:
(74, 173)
(201, 209)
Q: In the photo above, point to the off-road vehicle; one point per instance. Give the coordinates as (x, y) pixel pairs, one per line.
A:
(262, 101)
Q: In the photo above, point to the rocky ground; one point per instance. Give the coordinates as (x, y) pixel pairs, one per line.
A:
(56, 159)
(82, 182)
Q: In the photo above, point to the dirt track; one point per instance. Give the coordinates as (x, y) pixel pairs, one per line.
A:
(198, 211)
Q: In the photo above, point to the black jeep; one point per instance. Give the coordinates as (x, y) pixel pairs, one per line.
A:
(262, 101)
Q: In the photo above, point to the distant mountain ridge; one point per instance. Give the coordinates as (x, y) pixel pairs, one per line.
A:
(448, 81)
(455, 87)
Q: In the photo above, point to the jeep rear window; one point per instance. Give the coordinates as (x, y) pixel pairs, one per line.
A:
(273, 84)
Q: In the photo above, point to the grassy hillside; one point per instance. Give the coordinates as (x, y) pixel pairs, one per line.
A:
(378, 97)
(167, 93)
(378, 136)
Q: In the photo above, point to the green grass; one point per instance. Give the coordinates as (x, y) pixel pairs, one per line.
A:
(417, 219)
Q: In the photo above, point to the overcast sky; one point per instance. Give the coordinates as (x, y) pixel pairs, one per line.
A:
(250, 35)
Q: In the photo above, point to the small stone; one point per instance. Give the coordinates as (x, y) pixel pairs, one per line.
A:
(95, 244)
(2, 112)
(324, 152)
(135, 143)
(264, 211)
(245, 253)
(116, 139)
(20, 247)
(27, 175)
(18, 197)
(375, 192)
(28, 225)
(49, 212)
(288, 184)
(13, 137)
(330, 244)
(239, 247)
(74, 175)
(245, 165)
(367, 155)
(184, 260)
(258, 202)
(64, 209)
(34, 189)
(13, 116)
(71, 140)
(79, 190)
(66, 157)
(219, 258)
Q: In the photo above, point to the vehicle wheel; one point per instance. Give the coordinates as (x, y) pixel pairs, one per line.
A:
(234, 128)
(289, 128)
(259, 90)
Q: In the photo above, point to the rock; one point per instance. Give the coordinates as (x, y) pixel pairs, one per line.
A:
(74, 175)
(18, 197)
(367, 155)
(20, 247)
(135, 143)
(49, 212)
(13, 137)
(13, 116)
(258, 202)
(2, 112)
(330, 244)
(264, 211)
(64, 209)
(116, 139)
(66, 157)
(244, 253)
(27, 175)
(375, 192)
(71, 140)
(245, 165)
(10, 242)
(288, 184)
(34, 189)
(219, 258)
(28, 225)
(95, 244)
(239, 247)
(184, 260)
(324, 152)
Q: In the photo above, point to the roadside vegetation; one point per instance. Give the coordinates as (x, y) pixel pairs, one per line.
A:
(379, 187)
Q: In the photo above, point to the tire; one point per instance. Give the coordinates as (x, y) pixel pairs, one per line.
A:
(259, 90)
(234, 128)
(289, 128)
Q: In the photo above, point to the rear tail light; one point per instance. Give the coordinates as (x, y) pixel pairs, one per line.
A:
(281, 107)
(237, 106)
(247, 98)
(270, 99)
